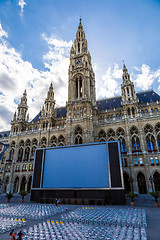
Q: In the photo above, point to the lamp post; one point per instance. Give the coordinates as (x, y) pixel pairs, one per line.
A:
(151, 181)
(131, 182)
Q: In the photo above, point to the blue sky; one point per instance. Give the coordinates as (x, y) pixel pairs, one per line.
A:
(36, 36)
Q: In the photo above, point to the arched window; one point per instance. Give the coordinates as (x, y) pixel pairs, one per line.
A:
(135, 138)
(61, 140)
(102, 136)
(34, 142)
(13, 144)
(111, 134)
(150, 142)
(78, 47)
(78, 136)
(157, 129)
(32, 152)
(43, 142)
(28, 142)
(21, 143)
(135, 143)
(133, 111)
(79, 87)
(128, 111)
(120, 132)
(120, 135)
(148, 129)
(11, 154)
(26, 154)
(53, 141)
(158, 141)
(20, 154)
(122, 144)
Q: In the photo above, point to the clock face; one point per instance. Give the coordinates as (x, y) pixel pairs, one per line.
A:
(78, 61)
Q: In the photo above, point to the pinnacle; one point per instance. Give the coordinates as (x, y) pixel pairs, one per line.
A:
(25, 92)
(124, 68)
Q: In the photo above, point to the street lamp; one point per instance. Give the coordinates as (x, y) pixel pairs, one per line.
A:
(151, 181)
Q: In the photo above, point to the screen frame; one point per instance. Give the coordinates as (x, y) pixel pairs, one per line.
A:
(81, 145)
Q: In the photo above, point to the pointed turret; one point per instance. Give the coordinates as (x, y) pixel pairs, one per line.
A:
(49, 102)
(80, 43)
(128, 92)
(22, 107)
(129, 97)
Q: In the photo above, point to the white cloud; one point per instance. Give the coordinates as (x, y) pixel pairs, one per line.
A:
(16, 74)
(145, 77)
(2, 32)
(109, 84)
(21, 3)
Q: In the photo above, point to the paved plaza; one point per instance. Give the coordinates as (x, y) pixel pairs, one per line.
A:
(46, 221)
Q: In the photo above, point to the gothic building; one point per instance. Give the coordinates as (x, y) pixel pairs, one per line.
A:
(132, 118)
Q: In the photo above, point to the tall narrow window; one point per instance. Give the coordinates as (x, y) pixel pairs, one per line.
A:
(80, 85)
(76, 87)
(78, 47)
(141, 161)
(135, 161)
(152, 161)
(78, 136)
(156, 161)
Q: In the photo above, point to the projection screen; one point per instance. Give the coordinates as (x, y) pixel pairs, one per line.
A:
(76, 167)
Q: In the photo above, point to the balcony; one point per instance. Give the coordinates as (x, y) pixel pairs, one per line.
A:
(8, 161)
(25, 160)
(136, 151)
(152, 151)
(19, 160)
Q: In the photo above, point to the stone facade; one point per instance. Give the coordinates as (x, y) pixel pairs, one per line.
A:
(132, 118)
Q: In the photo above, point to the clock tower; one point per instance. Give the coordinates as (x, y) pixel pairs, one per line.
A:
(81, 105)
(81, 83)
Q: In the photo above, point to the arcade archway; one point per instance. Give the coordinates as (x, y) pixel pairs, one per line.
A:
(23, 184)
(16, 184)
(156, 179)
(126, 182)
(141, 183)
(29, 184)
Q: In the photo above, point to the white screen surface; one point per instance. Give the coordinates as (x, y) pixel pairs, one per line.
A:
(76, 167)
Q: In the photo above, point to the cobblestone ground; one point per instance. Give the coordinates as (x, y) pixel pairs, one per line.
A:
(152, 213)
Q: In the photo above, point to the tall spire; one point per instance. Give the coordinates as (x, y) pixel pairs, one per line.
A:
(80, 43)
(81, 76)
(22, 107)
(128, 92)
(49, 102)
